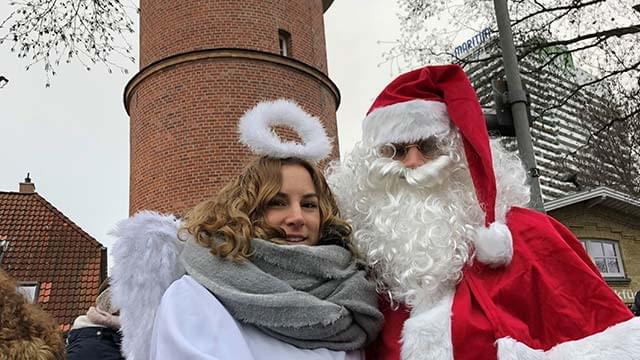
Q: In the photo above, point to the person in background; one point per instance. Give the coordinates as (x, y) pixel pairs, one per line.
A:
(95, 335)
(26, 331)
(267, 269)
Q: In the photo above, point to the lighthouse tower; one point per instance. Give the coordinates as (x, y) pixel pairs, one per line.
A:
(202, 64)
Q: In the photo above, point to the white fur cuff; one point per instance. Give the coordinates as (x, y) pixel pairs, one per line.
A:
(255, 131)
(620, 341)
(426, 335)
(494, 245)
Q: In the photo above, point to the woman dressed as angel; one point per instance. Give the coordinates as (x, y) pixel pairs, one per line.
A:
(264, 270)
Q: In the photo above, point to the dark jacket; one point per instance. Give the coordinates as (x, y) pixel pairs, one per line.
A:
(94, 343)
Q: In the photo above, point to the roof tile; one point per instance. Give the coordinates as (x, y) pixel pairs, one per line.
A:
(47, 247)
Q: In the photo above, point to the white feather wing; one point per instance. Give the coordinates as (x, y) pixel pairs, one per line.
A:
(145, 256)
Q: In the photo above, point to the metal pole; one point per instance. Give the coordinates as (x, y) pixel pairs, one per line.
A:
(518, 101)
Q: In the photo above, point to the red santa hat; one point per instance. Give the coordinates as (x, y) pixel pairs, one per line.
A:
(425, 102)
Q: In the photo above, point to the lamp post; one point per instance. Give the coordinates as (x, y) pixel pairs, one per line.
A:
(518, 100)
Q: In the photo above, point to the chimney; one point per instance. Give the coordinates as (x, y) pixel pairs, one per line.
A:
(27, 187)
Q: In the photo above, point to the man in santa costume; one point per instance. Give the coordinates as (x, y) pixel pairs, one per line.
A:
(464, 271)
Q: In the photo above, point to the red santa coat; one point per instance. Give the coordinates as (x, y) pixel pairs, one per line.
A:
(550, 302)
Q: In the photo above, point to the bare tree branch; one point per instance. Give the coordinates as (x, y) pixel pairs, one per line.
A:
(544, 9)
(580, 87)
(88, 31)
(600, 34)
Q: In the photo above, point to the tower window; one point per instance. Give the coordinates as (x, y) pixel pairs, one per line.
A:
(284, 38)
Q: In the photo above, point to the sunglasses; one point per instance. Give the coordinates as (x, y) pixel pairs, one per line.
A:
(428, 147)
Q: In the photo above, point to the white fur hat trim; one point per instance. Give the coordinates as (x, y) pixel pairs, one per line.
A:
(494, 245)
(255, 131)
(405, 122)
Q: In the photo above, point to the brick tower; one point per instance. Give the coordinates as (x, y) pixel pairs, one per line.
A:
(202, 64)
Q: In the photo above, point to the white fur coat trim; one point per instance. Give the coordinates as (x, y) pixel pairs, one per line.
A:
(405, 122)
(255, 131)
(619, 342)
(426, 335)
(145, 256)
(494, 245)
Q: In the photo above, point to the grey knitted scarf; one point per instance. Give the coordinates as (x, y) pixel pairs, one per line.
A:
(308, 296)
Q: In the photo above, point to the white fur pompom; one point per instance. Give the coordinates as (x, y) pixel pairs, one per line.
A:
(255, 131)
(145, 256)
(494, 245)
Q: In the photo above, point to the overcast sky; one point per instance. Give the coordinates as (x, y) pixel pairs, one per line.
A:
(74, 136)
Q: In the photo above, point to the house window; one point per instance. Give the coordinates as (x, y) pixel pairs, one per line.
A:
(284, 39)
(4, 245)
(606, 255)
(29, 290)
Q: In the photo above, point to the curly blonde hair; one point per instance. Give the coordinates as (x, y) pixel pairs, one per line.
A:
(26, 331)
(236, 214)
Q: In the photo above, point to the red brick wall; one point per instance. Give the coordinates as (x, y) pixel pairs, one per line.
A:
(184, 142)
(169, 27)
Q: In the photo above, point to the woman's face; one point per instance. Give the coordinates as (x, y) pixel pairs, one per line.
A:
(295, 209)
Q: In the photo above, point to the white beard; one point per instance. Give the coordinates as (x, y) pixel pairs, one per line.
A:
(413, 227)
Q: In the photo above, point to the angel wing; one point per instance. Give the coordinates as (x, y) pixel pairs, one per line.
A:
(145, 256)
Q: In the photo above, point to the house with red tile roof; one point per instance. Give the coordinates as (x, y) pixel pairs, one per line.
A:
(56, 263)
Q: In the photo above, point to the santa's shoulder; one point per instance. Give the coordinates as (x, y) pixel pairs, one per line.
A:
(539, 238)
(532, 223)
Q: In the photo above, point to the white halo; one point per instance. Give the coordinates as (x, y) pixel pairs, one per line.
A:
(255, 131)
